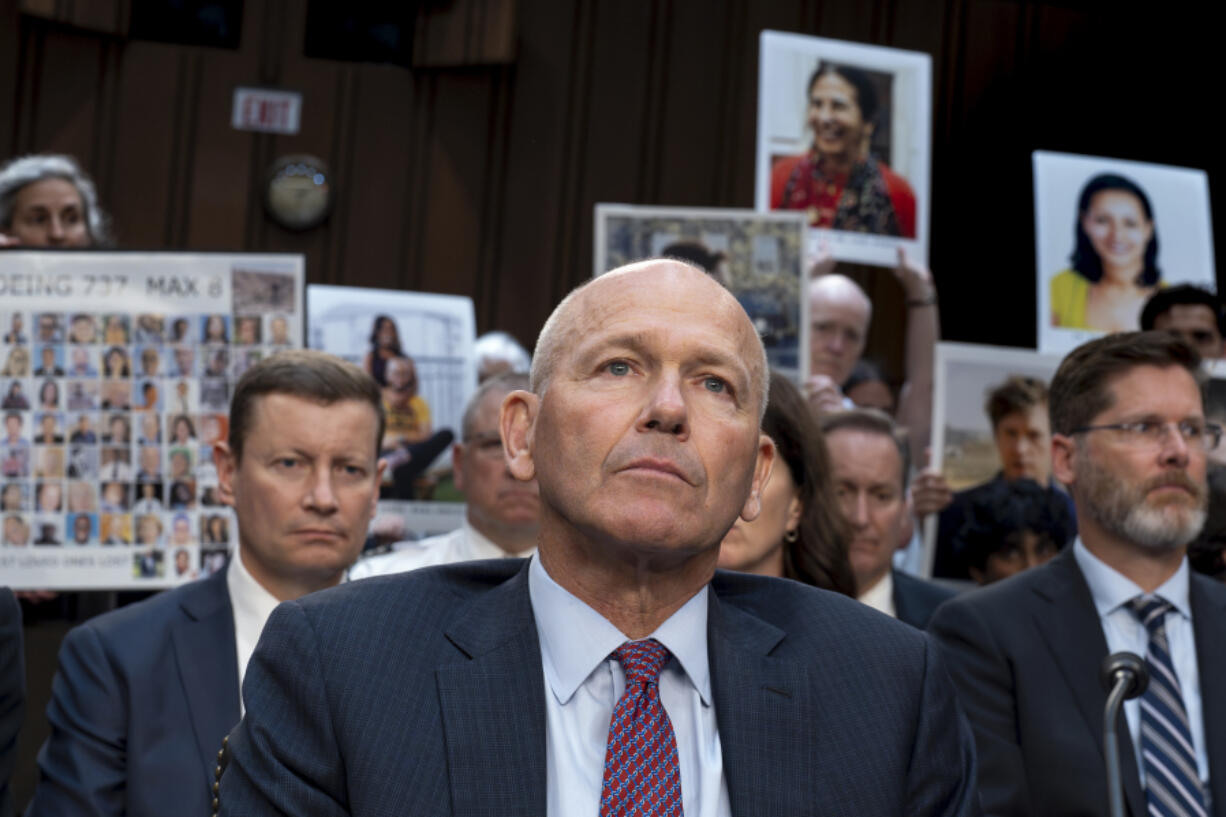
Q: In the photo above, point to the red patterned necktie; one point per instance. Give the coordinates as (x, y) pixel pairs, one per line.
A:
(641, 775)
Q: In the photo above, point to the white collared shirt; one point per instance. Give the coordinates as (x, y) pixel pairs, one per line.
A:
(1111, 590)
(584, 681)
(463, 544)
(252, 605)
(881, 595)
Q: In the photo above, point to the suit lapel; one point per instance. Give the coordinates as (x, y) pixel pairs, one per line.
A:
(1068, 621)
(492, 704)
(1209, 625)
(754, 695)
(208, 665)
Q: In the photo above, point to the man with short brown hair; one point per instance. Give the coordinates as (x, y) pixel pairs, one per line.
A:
(145, 694)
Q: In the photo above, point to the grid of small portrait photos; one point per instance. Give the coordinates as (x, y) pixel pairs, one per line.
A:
(109, 425)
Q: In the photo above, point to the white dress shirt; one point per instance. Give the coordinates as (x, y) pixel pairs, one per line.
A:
(584, 682)
(881, 595)
(463, 544)
(1111, 590)
(252, 605)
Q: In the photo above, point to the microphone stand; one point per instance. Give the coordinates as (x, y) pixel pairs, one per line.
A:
(1125, 675)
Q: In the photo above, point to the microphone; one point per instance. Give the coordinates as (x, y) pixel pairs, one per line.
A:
(1124, 675)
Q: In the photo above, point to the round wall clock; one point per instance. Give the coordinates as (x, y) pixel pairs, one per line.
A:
(298, 191)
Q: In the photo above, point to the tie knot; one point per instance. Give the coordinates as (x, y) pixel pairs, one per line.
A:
(1151, 610)
(642, 660)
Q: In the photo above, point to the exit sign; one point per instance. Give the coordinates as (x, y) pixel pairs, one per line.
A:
(266, 111)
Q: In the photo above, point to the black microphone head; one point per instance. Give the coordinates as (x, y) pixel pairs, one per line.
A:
(1125, 665)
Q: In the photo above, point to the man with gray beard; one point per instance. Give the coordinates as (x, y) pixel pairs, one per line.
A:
(1130, 440)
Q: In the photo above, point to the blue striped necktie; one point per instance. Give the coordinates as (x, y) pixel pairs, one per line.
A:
(1172, 783)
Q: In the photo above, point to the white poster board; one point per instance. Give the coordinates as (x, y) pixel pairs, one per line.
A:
(758, 256)
(1115, 236)
(851, 149)
(116, 370)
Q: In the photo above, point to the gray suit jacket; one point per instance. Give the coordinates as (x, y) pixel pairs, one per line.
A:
(422, 693)
(1025, 656)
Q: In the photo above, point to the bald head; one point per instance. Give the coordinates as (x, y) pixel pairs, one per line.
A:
(588, 305)
(839, 314)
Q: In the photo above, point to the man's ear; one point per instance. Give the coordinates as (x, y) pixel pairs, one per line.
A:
(517, 424)
(761, 475)
(227, 465)
(1063, 458)
(457, 466)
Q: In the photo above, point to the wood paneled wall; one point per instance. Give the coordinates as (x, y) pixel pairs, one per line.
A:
(481, 179)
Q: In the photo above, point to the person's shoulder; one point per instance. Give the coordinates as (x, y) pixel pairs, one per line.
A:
(1005, 599)
(1212, 589)
(814, 619)
(895, 183)
(1066, 282)
(929, 591)
(404, 556)
(137, 625)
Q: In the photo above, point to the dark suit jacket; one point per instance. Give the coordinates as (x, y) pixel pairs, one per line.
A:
(1025, 656)
(422, 693)
(139, 706)
(12, 692)
(915, 600)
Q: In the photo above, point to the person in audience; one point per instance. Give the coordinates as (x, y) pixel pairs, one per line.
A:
(866, 387)
(1010, 527)
(799, 534)
(1207, 552)
(501, 515)
(642, 430)
(498, 353)
(1195, 313)
(839, 313)
(1130, 440)
(48, 201)
(145, 694)
(839, 183)
(870, 465)
(384, 347)
(1114, 259)
(12, 693)
(1021, 430)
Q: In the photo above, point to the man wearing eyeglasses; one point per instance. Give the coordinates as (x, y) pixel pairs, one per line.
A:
(1129, 438)
(503, 514)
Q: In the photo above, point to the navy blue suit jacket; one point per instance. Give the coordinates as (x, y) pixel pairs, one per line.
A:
(915, 600)
(139, 706)
(1025, 654)
(422, 693)
(12, 692)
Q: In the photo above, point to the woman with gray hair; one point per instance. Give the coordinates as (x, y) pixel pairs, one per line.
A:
(48, 201)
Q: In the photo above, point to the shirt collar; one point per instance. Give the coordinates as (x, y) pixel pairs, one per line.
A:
(252, 603)
(881, 595)
(1111, 589)
(576, 640)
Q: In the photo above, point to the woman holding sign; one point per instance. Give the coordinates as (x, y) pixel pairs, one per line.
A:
(838, 182)
(1114, 260)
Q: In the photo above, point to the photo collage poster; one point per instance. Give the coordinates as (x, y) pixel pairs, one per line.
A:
(424, 395)
(963, 446)
(1110, 233)
(116, 370)
(758, 256)
(844, 137)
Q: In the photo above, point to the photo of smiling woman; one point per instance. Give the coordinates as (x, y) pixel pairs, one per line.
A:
(1114, 260)
(841, 182)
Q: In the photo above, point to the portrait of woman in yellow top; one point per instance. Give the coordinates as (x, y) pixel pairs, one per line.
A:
(1114, 262)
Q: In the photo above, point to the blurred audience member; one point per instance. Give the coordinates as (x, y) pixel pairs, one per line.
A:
(1010, 527)
(869, 460)
(502, 515)
(1021, 430)
(497, 353)
(840, 313)
(799, 533)
(145, 694)
(384, 347)
(1207, 552)
(1130, 440)
(48, 201)
(867, 388)
(1196, 314)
